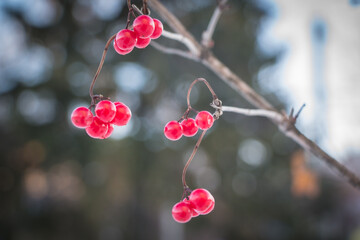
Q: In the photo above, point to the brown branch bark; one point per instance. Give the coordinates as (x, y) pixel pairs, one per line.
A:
(286, 124)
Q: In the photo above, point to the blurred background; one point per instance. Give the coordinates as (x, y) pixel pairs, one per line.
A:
(58, 183)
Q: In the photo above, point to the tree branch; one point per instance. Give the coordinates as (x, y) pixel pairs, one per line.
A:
(174, 51)
(207, 35)
(235, 82)
(253, 112)
(182, 39)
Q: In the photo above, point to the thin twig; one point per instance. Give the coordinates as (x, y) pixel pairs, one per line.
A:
(173, 51)
(172, 21)
(100, 66)
(298, 113)
(254, 112)
(208, 33)
(236, 83)
(192, 85)
(182, 39)
(191, 158)
(145, 8)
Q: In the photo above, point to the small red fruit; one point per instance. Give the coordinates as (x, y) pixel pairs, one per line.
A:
(109, 131)
(201, 199)
(144, 26)
(189, 127)
(105, 110)
(123, 114)
(158, 29)
(125, 39)
(120, 51)
(97, 129)
(142, 42)
(181, 212)
(204, 120)
(81, 117)
(173, 130)
(207, 211)
(192, 207)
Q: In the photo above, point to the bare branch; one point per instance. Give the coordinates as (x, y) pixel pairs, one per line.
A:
(235, 82)
(174, 36)
(212, 62)
(174, 51)
(277, 117)
(207, 35)
(312, 147)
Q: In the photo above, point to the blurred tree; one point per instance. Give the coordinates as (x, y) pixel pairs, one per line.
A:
(56, 183)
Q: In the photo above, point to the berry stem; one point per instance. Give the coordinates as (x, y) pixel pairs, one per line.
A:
(208, 86)
(91, 92)
(145, 8)
(131, 12)
(190, 159)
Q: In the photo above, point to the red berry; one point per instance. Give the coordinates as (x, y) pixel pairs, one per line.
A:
(192, 207)
(125, 39)
(173, 130)
(120, 51)
(142, 42)
(105, 110)
(189, 127)
(81, 117)
(144, 26)
(158, 29)
(181, 212)
(204, 120)
(202, 199)
(123, 114)
(97, 129)
(207, 211)
(109, 131)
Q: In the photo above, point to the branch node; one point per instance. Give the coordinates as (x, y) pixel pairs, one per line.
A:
(204, 53)
(223, 5)
(293, 118)
(217, 104)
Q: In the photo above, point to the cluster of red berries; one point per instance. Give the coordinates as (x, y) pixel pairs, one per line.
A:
(145, 29)
(188, 127)
(107, 114)
(199, 202)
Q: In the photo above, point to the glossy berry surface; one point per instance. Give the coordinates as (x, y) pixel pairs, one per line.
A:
(125, 39)
(120, 51)
(173, 130)
(201, 199)
(142, 42)
(81, 117)
(97, 128)
(122, 116)
(181, 212)
(189, 127)
(158, 29)
(207, 211)
(194, 213)
(204, 120)
(144, 26)
(109, 131)
(105, 110)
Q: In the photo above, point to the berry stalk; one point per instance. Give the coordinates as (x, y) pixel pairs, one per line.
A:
(192, 85)
(190, 159)
(91, 92)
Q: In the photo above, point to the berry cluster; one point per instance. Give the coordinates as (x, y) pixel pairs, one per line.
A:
(188, 127)
(199, 202)
(145, 29)
(107, 114)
